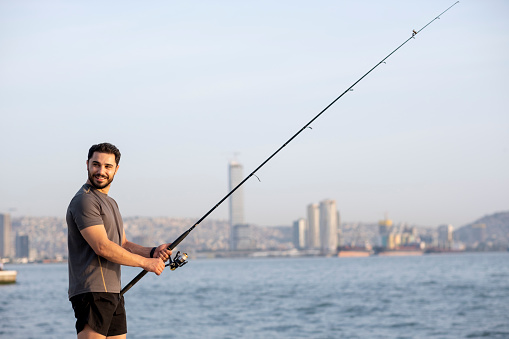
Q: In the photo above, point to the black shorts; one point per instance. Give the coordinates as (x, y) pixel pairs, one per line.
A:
(103, 312)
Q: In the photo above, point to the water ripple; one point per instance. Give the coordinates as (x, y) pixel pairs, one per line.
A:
(458, 296)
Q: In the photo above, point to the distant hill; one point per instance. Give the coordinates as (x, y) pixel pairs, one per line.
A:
(491, 231)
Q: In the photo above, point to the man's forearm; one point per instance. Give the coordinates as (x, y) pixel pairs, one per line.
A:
(121, 255)
(137, 249)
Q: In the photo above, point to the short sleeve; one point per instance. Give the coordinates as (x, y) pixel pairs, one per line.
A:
(86, 211)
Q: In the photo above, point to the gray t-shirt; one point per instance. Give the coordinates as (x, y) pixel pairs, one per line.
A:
(89, 272)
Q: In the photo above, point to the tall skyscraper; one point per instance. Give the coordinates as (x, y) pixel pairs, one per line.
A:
(235, 176)
(5, 236)
(329, 224)
(299, 233)
(313, 234)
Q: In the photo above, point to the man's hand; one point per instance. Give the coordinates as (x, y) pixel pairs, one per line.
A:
(163, 252)
(155, 265)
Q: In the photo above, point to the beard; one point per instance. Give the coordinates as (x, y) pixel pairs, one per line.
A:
(99, 185)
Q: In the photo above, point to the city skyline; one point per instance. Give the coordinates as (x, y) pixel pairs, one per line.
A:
(47, 237)
(179, 88)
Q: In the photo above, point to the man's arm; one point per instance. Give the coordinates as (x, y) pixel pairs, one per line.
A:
(97, 238)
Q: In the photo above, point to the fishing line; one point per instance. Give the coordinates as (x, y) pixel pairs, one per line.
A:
(181, 259)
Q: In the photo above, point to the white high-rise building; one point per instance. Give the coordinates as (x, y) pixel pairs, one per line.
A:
(299, 233)
(329, 225)
(235, 177)
(5, 236)
(313, 234)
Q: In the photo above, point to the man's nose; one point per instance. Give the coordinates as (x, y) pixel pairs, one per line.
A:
(102, 170)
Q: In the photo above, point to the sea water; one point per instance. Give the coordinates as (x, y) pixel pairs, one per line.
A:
(430, 296)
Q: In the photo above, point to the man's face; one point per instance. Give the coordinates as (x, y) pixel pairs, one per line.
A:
(101, 169)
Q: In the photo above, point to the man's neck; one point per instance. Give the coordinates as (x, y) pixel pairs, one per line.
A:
(104, 190)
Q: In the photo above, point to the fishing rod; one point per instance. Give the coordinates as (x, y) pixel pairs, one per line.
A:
(181, 258)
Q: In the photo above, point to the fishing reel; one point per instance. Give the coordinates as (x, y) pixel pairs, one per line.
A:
(179, 260)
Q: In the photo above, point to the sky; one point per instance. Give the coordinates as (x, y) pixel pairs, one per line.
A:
(183, 88)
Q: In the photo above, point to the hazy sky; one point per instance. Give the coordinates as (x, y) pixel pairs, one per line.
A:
(182, 86)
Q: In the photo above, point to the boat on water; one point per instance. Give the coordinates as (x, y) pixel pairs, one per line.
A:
(354, 252)
(8, 277)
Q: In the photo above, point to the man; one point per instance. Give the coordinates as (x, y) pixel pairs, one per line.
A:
(98, 247)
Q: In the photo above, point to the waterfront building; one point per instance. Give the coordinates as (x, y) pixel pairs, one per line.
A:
(243, 239)
(445, 236)
(235, 177)
(329, 224)
(299, 233)
(384, 229)
(313, 233)
(5, 236)
(22, 250)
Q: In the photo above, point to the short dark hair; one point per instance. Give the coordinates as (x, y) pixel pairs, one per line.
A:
(105, 147)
